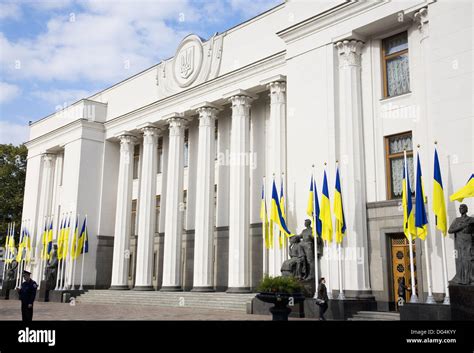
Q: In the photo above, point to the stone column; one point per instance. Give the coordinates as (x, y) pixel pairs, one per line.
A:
(174, 199)
(204, 222)
(277, 162)
(239, 199)
(350, 142)
(123, 213)
(46, 199)
(146, 215)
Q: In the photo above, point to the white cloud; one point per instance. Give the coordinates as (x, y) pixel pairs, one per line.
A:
(8, 92)
(62, 97)
(98, 44)
(15, 134)
(9, 10)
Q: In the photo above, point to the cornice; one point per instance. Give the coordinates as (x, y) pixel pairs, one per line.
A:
(206, 88)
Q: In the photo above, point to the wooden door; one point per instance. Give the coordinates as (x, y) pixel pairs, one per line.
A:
(400, 251)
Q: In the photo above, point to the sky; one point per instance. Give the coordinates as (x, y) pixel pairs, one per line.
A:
(55, 52)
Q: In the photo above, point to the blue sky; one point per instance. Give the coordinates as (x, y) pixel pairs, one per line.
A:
(54, 52)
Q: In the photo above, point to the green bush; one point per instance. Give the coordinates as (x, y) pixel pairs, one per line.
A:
(279, 284)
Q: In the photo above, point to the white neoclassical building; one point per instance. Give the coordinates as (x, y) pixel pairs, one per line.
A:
(168, 164)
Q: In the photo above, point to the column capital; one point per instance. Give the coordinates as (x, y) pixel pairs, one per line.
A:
(48, 159)
(177, 122)
(349, 52)
(207, 115)
(149, 130)
(239, 96)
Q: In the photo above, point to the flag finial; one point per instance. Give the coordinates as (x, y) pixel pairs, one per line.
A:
(418, 145)
(436, 142)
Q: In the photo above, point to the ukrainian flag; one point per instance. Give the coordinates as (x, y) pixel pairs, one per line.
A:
(276, 214)
(283, 214)
(439, 205)
(325, 215)
(312, 209)
(408, 216)
(66, 230)
(11, 245)
(44, 240)
(21, 246)
(75, 243)
(84, 239)
(339, 210)
(61, 238)
(421, 220)
(464, 192)
(28, 245)
(264, 218)
(49, 242)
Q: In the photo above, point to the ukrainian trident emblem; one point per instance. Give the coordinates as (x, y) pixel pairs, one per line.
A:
(186, 60)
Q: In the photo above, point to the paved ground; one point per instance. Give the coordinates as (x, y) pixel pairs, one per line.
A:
(10, 310)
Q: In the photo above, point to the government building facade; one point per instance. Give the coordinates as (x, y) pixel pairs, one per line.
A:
(168, 164)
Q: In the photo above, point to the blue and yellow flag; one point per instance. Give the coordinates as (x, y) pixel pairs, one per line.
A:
(275, 212)
(464, 192)
(75, 241)
(325, 214)
(21, 246)
(49, 241)
(439, 204)
(60, 240)
(283, 213)
(312, 209)
(421, 220)
(44, 238)
(407, 204)
(264, 218)
(82, 244)
(339, 210)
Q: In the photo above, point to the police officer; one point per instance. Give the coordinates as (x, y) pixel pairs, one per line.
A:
(27, 294)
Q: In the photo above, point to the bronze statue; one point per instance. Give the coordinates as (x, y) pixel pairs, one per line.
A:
(463, 230)
(51, 268)
(294, 265)
(307, 245)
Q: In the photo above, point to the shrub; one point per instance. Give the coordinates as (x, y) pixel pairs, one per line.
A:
(280, 284)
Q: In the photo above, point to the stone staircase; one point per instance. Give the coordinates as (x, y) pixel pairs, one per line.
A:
(216, 300)
(375, 316)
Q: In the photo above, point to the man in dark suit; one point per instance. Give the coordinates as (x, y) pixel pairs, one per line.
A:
(322, 298)
(27, 294)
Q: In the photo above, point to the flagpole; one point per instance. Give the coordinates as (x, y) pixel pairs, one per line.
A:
(19, 262)
(285, 238)
(57, 256)
(447, 300)
(75, 256)
(315, 247)
(7, 242)
(414, 297)
(341, 295)
(83, 253)
(264, 229)
(67, 259)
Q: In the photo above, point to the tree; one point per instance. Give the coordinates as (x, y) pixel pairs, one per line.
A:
(12, 186)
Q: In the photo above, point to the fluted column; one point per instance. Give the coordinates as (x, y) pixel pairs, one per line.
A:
(239, 198)
(123, 213)
(204, 222)
(147, 208)
(349, 138)
(46, 197)
(174, 199)
(277, 161)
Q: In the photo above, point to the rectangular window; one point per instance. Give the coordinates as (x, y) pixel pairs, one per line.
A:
(396, 76)
(160, 156)
(186, 147)
(134, 217)
(157, 213)
(216, 136)
(394, 147)
(136, 160)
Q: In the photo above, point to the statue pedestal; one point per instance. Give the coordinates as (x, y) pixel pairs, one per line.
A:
(43, 293)
(462, 301)
(309, 287)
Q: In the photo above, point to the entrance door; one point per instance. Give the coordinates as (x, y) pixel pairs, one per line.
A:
(400, 251)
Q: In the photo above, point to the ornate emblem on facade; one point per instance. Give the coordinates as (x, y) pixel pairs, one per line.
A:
(195, 62)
